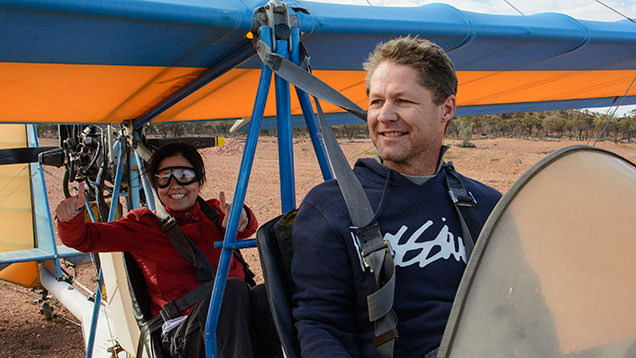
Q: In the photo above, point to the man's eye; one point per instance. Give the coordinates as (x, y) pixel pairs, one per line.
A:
(375, 102)
(403, 100)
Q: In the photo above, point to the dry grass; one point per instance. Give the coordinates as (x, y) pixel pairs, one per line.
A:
(496, 162)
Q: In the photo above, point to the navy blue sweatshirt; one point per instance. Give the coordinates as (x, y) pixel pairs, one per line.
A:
(331, 284)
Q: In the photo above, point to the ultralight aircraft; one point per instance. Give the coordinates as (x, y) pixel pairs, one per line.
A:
(84, 64)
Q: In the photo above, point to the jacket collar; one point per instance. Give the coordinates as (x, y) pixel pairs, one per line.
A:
(185, 215)
(440, 161)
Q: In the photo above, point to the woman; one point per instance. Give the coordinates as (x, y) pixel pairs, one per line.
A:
(177, 172)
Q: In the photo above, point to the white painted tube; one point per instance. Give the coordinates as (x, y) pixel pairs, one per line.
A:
(82, 308)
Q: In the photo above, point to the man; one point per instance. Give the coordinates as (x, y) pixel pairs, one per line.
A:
(411, 85)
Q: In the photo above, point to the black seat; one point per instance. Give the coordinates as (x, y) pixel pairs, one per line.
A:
(275, 249)
(141, 304)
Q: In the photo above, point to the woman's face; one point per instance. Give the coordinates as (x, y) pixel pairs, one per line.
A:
(177, 196)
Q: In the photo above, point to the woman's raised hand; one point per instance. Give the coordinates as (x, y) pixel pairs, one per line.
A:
(225, 208)
(71, 207)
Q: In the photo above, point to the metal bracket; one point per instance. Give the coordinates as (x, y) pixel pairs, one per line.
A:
(467, 200)
(276, 16)
(129, 133)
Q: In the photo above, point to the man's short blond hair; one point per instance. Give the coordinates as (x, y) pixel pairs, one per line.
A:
(437, 71)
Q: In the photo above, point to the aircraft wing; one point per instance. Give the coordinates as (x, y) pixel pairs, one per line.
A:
(78, 61)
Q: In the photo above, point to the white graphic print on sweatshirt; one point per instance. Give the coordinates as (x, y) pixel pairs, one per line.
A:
(444, 241)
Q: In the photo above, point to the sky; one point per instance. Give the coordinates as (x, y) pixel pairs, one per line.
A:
(579, 9)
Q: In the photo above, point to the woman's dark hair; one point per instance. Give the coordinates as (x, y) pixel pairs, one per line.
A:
(189, 152)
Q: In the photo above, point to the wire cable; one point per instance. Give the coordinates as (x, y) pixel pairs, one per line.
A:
(614, 112)
(512, 6)
(616, 11)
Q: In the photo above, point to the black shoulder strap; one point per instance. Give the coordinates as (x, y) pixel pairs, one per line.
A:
(210, 213)
(185, 246)
(205, 273)
(204, 270)
(464, 203)
(172, 310)
(192, 253)
(213, 216)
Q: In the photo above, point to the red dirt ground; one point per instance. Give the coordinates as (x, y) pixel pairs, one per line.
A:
(24, 332)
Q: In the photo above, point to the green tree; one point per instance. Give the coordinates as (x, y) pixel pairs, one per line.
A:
(530, 122)
(555, 124)
(626, 126)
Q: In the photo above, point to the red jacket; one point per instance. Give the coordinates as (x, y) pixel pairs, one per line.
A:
(168, 274)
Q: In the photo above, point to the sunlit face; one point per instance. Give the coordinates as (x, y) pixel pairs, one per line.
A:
(405, 125)
(176, 196)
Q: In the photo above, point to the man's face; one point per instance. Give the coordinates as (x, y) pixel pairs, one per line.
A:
(406, 127)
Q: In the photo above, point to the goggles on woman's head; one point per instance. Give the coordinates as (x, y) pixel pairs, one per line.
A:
(182, 175)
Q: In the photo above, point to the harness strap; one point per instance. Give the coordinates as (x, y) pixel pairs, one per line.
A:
(213, 216)
(205, 271)
(172, 310)
(375, 252)
(175, 308)
(187, 248)
(464, 203)
(305, 80)
(145, 330)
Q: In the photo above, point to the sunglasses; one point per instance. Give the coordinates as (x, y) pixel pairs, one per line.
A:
(182, 175)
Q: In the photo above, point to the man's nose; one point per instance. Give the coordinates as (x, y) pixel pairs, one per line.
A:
(388, 112)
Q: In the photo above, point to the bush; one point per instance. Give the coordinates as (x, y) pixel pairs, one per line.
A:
(466, 143)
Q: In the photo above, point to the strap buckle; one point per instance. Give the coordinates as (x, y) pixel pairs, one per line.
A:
(385, 337)
(366, 247)
(463, 200)
(170, 311)
(168, 223)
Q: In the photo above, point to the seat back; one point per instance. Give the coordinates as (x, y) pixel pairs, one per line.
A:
(275, 249)
(141, 303)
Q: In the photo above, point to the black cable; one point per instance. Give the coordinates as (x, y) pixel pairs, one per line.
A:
(616, 11)
(614, 112)
(512, 6)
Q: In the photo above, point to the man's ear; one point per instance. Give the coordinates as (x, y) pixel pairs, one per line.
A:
(447, 111)
(448, 108)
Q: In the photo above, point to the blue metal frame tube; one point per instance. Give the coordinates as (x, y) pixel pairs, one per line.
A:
(118, 177)
(237, 207)
(133, 198)
(314, 134)
(89, 209)
(95, 316)
(111, 216)
(41, 210)
(237, 244)
(308, 113)
(150, 197)
(285, 144)
(223, 65)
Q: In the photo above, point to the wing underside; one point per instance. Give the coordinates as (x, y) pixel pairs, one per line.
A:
(106, 62)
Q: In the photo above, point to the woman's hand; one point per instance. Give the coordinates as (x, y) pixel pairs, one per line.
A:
(69, 208)
(225, 208)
